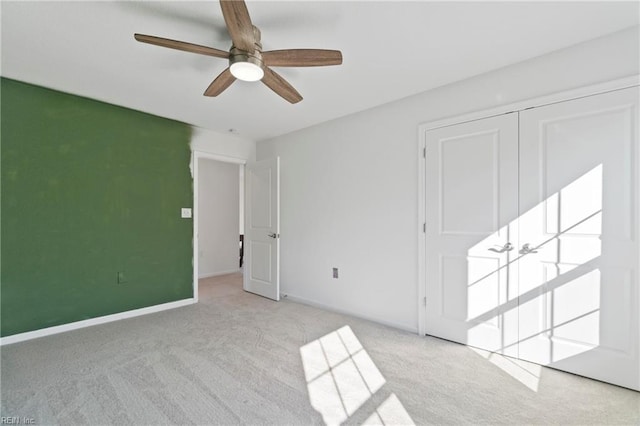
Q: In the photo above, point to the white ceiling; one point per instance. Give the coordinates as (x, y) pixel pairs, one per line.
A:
(391, 50)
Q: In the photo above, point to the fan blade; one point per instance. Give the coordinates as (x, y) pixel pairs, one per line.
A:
(221, 82)
(181, 45)
(239, 25)
(279, 85)
(302, 58)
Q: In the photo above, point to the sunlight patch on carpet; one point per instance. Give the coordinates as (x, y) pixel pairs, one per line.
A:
(525, 372)
(341, 377)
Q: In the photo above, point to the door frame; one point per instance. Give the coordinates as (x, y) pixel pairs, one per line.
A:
(198, 155)
(591, 90)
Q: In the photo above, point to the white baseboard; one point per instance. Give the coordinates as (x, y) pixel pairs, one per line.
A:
(21, 337)
(215, 274)
(315, 304)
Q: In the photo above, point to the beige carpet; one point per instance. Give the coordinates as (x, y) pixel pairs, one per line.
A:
(236, 358)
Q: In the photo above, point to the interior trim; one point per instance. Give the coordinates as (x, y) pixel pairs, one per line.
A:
(29, 335)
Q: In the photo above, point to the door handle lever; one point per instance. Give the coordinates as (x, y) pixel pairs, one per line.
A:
(506, 247)
(526, 249)
(272, 235)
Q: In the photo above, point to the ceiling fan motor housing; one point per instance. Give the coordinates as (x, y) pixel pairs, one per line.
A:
(237, 55)
(254, 57)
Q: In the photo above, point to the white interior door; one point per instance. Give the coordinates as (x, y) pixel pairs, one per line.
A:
(579, 295)
(471, 193)
(262, 228)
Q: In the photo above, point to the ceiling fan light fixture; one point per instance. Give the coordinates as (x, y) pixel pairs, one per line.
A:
(246, 71)
(245, 66)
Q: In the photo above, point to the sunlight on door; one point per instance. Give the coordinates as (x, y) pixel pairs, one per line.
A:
(341, 377)
(554, 313)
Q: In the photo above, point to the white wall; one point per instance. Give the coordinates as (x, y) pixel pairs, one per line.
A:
(218, 217)
(349, 186)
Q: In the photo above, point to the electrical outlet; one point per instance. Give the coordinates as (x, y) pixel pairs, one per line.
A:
(185, 213)
(121, 279)
(335, 272)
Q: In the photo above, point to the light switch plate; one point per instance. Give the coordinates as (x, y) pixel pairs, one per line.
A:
(185, 213)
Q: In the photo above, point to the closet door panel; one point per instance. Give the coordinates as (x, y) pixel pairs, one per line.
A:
(578, 237)
(471, 193)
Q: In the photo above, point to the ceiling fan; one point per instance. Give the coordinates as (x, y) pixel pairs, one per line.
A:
(247, 61)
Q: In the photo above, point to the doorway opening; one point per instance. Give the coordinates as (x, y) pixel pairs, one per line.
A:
(218, 225)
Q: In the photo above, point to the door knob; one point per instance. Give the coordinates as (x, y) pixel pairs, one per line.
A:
(526, 249)
(506, 247)
(272, 235)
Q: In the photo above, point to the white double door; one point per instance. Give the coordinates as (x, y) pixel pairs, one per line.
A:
(532, 235)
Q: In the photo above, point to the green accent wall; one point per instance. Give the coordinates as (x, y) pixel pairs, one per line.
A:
(91, 199)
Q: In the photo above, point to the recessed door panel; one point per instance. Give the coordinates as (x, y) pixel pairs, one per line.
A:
(453, 287)
(473, 154)
(260, 265)
(261, 194)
